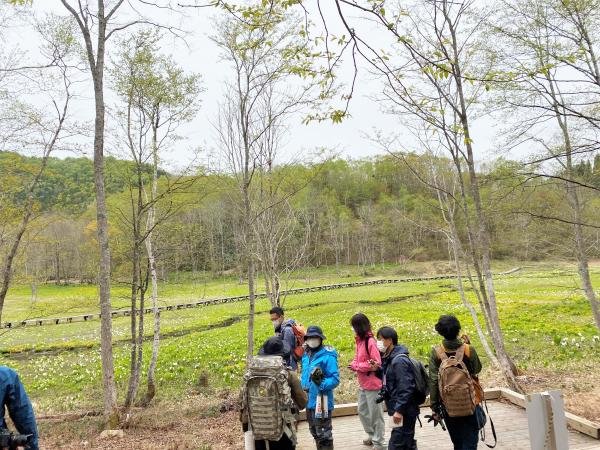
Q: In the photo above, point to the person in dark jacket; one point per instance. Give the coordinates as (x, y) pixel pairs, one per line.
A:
(275, 346)
(464, 431)
(400, 389)
(283, 328)
(16, 401)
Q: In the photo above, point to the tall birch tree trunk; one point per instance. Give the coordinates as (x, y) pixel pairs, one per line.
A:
(151, 391)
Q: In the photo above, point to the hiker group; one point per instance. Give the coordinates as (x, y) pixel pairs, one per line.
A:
(273, 395)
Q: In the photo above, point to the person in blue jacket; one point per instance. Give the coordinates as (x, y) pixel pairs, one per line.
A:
(399, 387)
(16, 401)
(320, 376)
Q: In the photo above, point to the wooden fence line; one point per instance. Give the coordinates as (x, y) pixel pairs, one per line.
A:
(223, 300)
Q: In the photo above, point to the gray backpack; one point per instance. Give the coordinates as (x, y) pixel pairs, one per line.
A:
(267, 399)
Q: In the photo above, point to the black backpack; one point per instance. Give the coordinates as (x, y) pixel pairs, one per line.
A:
(421, 378)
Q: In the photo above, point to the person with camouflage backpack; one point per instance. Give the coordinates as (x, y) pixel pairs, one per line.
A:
(271, 398)
(455, 392)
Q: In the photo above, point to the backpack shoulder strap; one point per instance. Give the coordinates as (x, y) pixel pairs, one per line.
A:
(401, 356)
(440, 351)
(367, 346)
(460, 352)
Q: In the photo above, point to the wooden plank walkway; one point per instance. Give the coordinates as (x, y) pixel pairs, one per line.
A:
(510, 421)
(221, 300)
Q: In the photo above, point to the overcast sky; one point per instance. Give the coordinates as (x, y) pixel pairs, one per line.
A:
(199, 54)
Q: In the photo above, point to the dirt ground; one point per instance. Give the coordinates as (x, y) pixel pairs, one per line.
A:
(199, 423)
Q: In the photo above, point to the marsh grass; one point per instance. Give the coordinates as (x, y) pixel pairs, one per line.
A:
(547, 323)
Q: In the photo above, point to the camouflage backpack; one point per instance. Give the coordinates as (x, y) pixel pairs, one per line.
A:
(267, 399)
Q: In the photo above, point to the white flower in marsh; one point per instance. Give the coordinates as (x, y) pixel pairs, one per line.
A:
(515, 340)
(577, 345)
(564, 341)
(596, 338)
(573, 341)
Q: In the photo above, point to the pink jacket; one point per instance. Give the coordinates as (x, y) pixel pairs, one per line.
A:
(366, 378)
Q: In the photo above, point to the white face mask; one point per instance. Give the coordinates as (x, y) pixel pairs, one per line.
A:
(276, 322)
(313, 342)
(381, 346)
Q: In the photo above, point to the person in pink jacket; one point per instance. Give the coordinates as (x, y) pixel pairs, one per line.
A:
(367, 365)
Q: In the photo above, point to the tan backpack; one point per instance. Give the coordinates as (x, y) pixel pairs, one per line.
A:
(267, 399)
(457, 388)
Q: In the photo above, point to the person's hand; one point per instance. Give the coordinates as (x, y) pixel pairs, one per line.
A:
(374, 364)
(397, 418)
(435, 418)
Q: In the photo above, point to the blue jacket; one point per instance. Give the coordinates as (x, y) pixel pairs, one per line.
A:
(399, 382)
(324, 357)
(287, 334)
(19, 407)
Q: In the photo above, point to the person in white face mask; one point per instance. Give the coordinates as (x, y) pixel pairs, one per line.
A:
(320, 376)
(399, 390)
(285, 329)
(366, 364)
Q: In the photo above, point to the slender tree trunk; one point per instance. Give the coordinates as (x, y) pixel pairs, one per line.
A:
(28, 211)
(111, 411)
(456, 252)
(448, 214)
(135, 289)
(573, 197)
(250, 262)
(506, 364)
(151, 391)
(276, 289)
(268, 290)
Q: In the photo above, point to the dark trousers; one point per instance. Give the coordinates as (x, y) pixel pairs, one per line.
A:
(464, 432)
(403, 438)
(282, 444)
(321, 429)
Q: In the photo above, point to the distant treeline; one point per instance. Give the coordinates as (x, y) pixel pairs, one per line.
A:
(362, 212)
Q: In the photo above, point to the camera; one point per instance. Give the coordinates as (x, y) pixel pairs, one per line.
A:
(382, 395)
(11, 441)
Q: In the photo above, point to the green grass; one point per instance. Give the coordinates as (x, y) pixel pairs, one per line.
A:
(546, 320)
(71, 299)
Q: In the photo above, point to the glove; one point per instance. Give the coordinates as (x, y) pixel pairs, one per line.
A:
(317, 376)
(433, 417)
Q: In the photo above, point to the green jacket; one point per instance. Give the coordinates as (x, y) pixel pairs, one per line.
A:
(473, 364)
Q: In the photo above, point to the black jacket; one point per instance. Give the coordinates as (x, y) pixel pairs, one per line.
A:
(399, 381)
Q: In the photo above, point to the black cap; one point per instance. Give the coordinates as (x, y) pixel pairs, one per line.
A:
(275, 346)
(314, 331)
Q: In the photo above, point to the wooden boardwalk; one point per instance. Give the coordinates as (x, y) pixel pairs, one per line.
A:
(510, 421)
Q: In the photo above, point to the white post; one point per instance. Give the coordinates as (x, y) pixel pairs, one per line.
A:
(547, 421)
(249, 439)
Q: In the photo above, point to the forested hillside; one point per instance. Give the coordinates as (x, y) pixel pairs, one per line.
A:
(363, 212)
